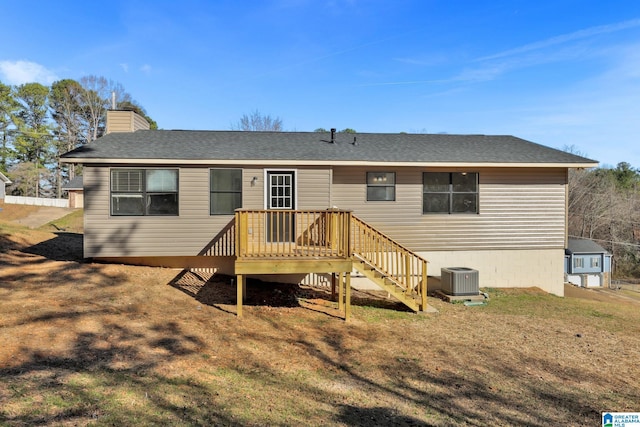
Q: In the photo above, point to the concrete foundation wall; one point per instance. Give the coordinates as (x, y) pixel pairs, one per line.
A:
(543, 268)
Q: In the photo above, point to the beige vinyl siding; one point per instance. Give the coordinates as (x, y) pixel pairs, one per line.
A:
(314, 188)
(189, 232)
(125, 121)
(519, 208)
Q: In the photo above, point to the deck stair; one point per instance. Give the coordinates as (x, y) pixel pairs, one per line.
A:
(388, 284)
(393, 267)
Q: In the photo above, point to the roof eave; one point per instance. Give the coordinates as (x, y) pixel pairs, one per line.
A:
(294, 162)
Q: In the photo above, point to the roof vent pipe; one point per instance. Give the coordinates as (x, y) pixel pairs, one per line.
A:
(354, 141)
(113, 100)
(333, 135)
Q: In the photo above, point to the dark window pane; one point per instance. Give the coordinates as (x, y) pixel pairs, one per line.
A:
(436, 182)
(381, 193)
(226, 180)
(464, 182)
(465, 203)
(162, 204)
(436, 203)
(127, 204)
(225, 203)
(226, 191)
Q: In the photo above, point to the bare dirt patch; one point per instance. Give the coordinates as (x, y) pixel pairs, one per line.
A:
(84, 343)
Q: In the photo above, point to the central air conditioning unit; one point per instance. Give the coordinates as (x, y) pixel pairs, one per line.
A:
(459, 281)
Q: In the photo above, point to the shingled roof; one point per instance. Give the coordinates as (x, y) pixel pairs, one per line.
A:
(583, 246)
(162, 146)
(74, 184)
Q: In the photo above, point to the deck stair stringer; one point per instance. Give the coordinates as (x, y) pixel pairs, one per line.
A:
(386, 283)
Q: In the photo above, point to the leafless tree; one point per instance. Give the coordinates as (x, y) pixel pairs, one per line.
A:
(256, 121)
(604, 205)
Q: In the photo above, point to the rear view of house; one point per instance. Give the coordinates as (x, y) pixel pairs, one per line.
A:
(496, 204)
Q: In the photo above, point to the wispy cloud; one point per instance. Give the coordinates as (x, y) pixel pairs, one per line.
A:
(402, 82)
(553, 41)
(146, 68)
(125, 67)
(20, 72)
(423, 62)
(493, 66)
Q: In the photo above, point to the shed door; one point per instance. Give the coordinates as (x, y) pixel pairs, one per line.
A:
(281, 195)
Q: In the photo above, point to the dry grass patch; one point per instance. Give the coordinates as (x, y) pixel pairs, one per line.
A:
(11, 212)
(84, 343)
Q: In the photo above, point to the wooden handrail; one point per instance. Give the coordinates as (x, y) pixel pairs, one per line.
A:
(292, 233)
(223, 244)
(401, 265)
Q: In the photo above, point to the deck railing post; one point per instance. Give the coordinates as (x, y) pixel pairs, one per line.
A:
(423, 286)
(237, 235)
(335, 234)
(407, 271)
(346, 226)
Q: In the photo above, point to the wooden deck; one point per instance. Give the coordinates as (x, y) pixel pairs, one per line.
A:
(330, 241)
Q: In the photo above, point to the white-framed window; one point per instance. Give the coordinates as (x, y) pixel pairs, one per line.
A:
(449, 192)
(578, 262)
(595, 262)
(225, 186)
(381, 186)
(141, 192)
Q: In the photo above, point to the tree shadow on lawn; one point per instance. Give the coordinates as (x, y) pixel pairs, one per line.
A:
(220, 291)
(109, 382)
(64, 247)
(75, 352)
(6, 245)
(420, 392)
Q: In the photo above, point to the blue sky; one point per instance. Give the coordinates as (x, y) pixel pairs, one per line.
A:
(560, 73)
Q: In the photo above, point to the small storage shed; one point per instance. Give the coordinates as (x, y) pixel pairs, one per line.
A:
(587, 264)
(76, 192)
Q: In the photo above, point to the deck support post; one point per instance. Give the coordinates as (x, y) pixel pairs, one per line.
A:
(333, 286)
(340, 293)
(347, 286)
(240, 294)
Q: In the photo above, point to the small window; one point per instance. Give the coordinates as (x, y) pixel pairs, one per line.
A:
(450, 192)
(144, 192)
(226, 191)
(381, 186)
(578, 263)
(595, 262)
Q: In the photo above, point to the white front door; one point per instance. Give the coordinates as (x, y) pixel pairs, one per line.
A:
(281, 195)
